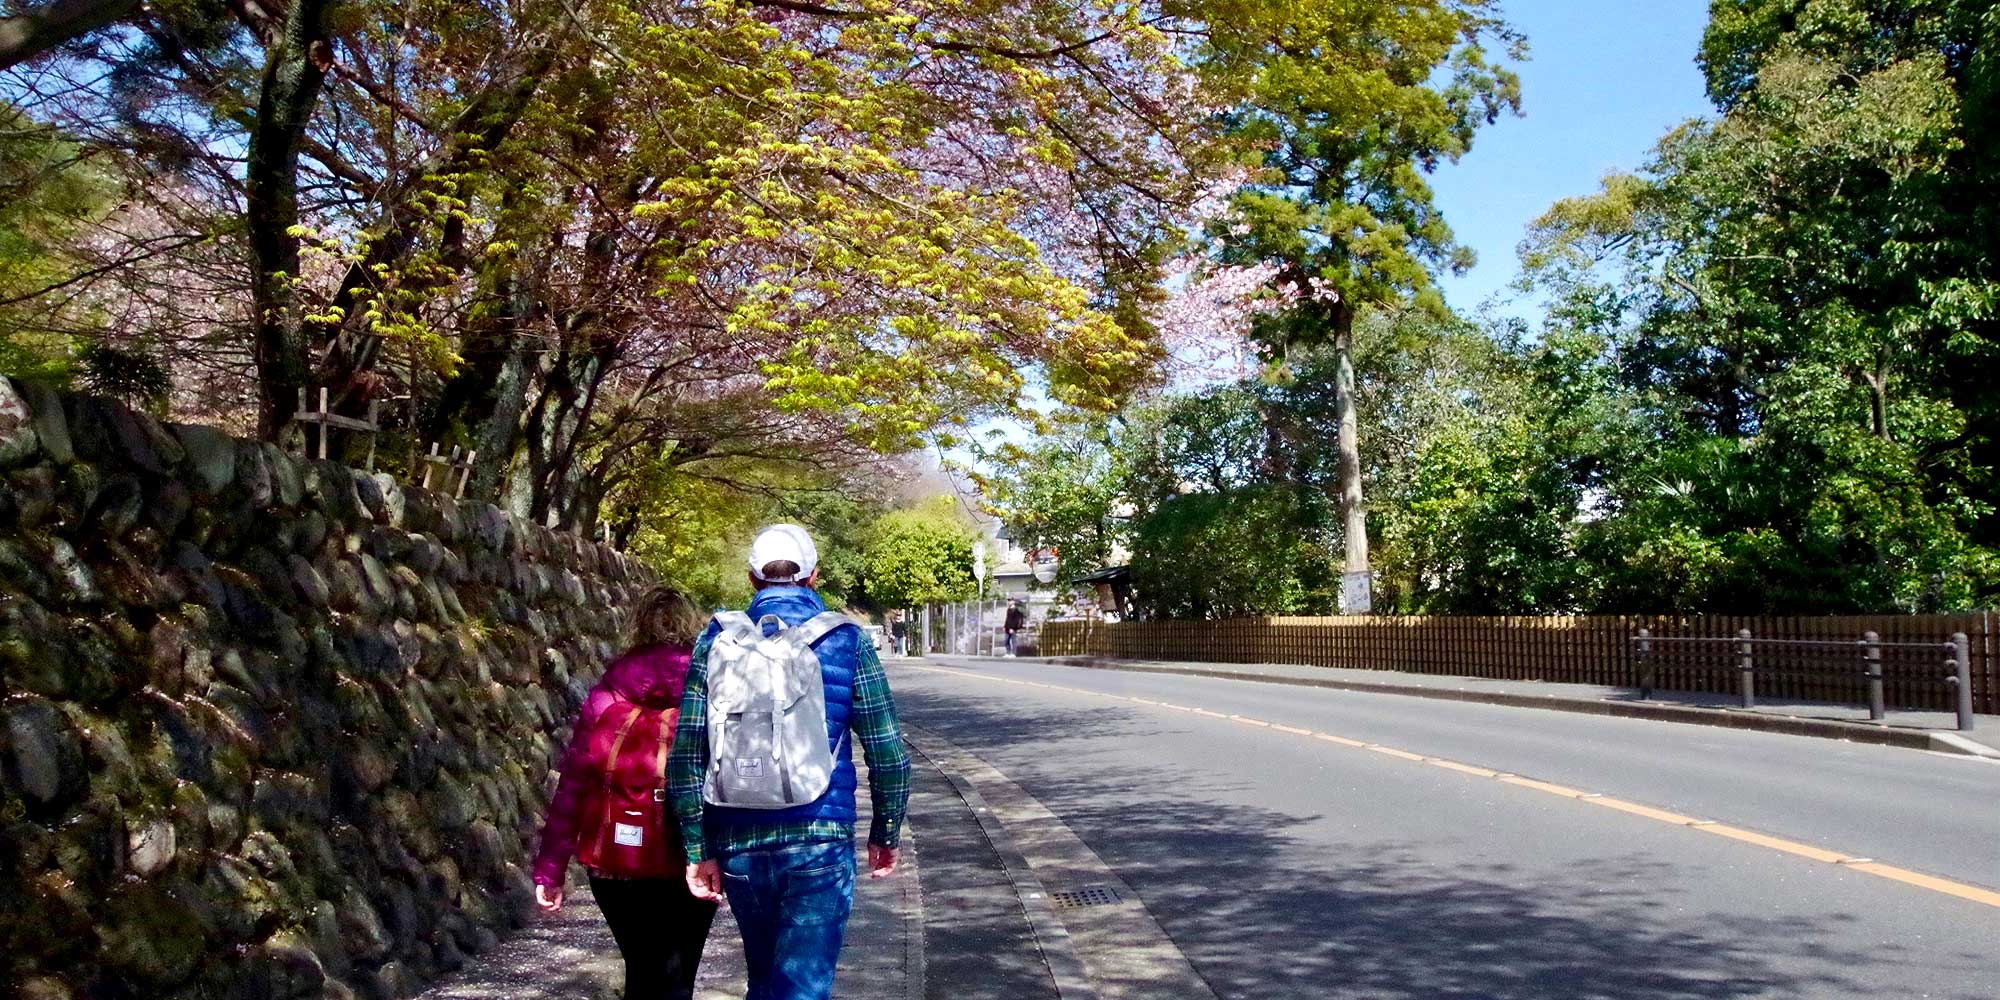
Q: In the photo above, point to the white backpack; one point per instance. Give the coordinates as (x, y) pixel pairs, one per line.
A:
(767, 742)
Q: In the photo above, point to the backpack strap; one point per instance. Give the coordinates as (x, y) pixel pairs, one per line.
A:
(668, 719)
(815, 628)
(611, 771)
(734, 621)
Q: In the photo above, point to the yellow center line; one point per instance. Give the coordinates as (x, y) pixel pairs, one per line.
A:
(1932, 883)
(1649, 812)
(1452, 765)
(1342, 740)
(1543, 786)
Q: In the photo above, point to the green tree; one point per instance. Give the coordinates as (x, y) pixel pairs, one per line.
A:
(921, 555)
(1788, 296)
(49, 193)
(1061, 494)
(1248, 551)
(1347, 109)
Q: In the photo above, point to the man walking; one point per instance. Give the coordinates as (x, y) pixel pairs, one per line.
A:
(786, 866)
(1016, 621)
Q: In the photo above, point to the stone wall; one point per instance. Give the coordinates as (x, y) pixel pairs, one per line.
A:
(269, 727)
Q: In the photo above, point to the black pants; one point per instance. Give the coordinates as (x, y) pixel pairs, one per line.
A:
(660, 928)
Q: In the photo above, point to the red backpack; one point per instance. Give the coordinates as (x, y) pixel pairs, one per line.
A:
(633, 833)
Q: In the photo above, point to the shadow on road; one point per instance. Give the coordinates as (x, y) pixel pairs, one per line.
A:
(1270, 903)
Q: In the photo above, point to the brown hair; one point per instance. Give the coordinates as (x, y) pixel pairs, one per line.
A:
(665, 618)
(777, 569)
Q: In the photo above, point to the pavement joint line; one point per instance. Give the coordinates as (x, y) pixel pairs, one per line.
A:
(1869, 866)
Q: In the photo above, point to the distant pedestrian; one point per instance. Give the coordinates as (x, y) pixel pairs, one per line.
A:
(1017, 620)
(899, 632)
(610, 807)
(763, 776)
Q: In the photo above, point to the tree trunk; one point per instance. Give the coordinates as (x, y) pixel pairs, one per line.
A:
(488, 397)
(293, 73)
(1354, 515)
(1878, 398)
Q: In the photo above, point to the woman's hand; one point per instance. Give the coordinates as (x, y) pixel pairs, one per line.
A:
(548, 897)
(881, 861)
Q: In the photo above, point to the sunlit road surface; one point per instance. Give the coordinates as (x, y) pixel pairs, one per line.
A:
(1297, 842)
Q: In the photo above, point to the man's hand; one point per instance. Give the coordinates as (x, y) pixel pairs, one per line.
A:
(548, 897)
(705, 881)
(881, 861)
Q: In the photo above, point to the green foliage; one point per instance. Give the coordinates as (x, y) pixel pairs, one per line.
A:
(921, 555)
(1061, 494)
(1346, 109)
(694, 533)
(1797, 301)
(49, 192)
(1256, 550)
(693, 523)
(127, 375)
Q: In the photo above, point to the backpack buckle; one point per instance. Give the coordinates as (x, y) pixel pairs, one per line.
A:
(659, 795)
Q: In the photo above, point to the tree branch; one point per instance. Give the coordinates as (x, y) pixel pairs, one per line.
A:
(25, 36)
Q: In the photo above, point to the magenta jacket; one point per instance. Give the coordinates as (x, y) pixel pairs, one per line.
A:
(650, 676)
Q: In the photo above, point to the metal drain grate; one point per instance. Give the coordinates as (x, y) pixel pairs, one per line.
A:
(1094, 895)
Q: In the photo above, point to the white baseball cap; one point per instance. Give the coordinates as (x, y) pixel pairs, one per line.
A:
(787, 542)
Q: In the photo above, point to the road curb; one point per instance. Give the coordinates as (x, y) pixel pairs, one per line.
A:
(1854, 732)
(1113, 950)
(1051, 934)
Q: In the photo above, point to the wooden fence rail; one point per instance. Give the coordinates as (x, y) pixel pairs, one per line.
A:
(1593, 649)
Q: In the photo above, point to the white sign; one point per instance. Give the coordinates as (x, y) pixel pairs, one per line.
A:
(979, 561)
(1356, 596)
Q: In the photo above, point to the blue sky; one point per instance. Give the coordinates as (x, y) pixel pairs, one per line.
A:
(1604, 80)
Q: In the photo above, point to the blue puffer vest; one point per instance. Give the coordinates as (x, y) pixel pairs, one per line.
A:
(839, 655)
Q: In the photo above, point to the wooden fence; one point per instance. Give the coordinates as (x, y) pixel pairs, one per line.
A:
(1586, 650)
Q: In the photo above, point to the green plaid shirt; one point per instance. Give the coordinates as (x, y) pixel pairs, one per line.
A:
(873, 721)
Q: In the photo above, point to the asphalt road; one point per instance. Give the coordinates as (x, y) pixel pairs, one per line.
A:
(1284, 864)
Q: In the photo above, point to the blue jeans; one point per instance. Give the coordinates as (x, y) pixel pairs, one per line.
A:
(791, 905)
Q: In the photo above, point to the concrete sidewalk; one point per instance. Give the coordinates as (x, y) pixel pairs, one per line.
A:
(949, 925)
(883, 958)
(1914, 730)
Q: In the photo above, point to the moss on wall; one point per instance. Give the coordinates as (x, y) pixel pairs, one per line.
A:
(269, 727)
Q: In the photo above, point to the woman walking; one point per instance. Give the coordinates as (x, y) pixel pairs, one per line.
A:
(612, 813)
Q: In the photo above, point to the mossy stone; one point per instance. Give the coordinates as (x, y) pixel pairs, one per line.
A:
(19, 440)
(362, 933)
(43, 755)
(153, 934)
